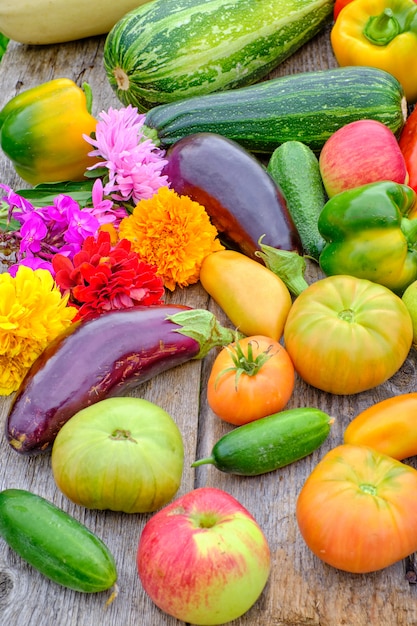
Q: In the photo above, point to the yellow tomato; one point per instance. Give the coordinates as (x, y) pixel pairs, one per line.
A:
(388, 426)
(255, 299)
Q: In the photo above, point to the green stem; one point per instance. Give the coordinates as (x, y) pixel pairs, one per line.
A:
(204, 328)
(209, 460)
(288, 266)
(88, 96)
(409, 229)
(383, 28)
(151, 133)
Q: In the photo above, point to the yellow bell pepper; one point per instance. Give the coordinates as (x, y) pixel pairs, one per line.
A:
(41, 132)
(381, 34)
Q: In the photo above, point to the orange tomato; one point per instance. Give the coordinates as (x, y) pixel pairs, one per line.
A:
(389, 426)
(357, 511)
(250, 379)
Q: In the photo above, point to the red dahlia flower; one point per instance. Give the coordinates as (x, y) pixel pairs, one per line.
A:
(102, 277)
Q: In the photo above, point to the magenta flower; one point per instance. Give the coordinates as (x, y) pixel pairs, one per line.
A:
(133, 161)
(44, 231)
(32, 231)
(104, 209)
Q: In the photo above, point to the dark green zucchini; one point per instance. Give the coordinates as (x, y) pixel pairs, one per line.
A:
(54, 543)
(306, 107)
(270, 443)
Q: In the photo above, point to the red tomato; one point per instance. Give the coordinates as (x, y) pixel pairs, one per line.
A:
(346, 334)
(250, 379)
(408, 146)
(357, 511)
(338, 6)
(388, 427)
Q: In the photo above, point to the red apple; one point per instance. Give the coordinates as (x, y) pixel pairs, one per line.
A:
(203, 558)
(358, 153)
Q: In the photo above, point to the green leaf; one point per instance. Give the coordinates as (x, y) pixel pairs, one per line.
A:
(3, 44)
(45, 193)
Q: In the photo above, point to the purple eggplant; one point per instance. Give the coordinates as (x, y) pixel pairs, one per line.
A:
(104, 357)
(242, 199)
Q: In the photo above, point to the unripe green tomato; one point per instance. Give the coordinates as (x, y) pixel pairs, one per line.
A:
(123, 454)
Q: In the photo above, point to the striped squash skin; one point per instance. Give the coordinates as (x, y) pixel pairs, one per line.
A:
(166, 50)
(306, 107)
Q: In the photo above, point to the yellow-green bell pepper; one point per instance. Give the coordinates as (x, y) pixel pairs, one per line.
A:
(371, 232)
(41, 132)
(382, 34)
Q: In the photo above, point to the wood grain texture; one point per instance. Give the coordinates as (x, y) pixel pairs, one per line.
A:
(301, 590)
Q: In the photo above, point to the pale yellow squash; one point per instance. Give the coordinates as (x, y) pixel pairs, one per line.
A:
(41, 22)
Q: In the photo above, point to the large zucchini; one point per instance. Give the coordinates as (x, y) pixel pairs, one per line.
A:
(306, 107)
(165, 51)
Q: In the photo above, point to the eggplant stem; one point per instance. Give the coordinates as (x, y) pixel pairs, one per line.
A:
(203, 326)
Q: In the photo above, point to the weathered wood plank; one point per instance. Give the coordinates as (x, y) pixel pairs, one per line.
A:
(301, 591)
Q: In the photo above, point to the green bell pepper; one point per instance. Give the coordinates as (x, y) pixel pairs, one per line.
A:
(371, 232)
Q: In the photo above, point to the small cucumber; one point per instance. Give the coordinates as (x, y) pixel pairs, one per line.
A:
(270, 443)
(54, 543)
(295, 167)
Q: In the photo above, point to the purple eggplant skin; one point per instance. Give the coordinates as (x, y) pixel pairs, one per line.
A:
(91, 361)
(243, 201)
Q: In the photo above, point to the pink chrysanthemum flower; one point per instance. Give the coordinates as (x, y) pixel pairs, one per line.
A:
(133, 161)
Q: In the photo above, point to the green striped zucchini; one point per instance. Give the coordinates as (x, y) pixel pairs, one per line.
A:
(55, 543)
(269, 443)
(306, 107)
(165, 51)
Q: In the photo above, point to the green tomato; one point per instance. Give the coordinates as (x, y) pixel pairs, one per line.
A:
(123, 454)
(346, 334)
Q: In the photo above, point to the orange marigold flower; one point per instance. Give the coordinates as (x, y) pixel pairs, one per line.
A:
(173, 233)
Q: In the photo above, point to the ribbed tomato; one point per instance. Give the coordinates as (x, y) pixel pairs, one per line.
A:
(357, 510)
(346, 334)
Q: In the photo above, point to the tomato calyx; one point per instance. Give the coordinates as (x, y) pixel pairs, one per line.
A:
(245, 363)
(368, 489)
(348, 315)
(120, 434)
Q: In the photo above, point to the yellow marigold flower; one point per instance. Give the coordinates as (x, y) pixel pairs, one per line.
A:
(173, 233)
(32, 313)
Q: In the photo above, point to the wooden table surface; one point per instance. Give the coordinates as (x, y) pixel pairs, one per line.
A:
(301, 591)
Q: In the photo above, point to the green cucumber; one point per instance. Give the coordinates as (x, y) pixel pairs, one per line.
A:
(55, 543)
(295, 168)
(270, 443)
(306, 107)
(165, 51)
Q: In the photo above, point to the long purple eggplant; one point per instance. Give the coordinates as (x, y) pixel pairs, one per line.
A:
(239, 195)
(104, 357)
